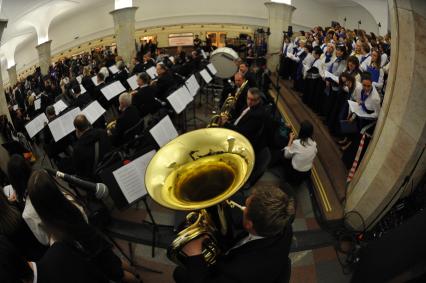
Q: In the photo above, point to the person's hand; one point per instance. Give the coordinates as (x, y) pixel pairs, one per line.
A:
(223, 119)
(292, 135)
(194, 247)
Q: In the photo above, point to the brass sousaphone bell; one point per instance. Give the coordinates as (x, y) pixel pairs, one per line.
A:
(197, 170)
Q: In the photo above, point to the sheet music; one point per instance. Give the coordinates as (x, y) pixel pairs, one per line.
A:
(36, 125)
(331, 76)
(79, 78)
(192, 85)
(37, 104)
(204, 54)
(132, 81)
(93, 111)
(186, 95)
(177, 101)
(164, 131)
(357, 109)
(60, 106)
(63, 125)
(83, 90)
(131, 177)
(152, 72)
(112, 90)
(15, 107)
(206, 76)
(95, 80)
(8, 191)
(212, 68)
(113, 69)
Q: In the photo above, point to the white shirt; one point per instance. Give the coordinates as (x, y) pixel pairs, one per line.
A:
(241, 116)
(302, 157)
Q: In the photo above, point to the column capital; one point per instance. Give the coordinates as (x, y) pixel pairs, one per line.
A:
(277, 5)
(46, 43)
(124, 10)
(12, 67)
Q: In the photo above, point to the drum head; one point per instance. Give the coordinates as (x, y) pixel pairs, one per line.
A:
(223, 60)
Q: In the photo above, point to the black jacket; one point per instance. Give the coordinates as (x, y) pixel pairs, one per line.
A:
(263, 260)
(241, 102)
(127, 119)
(165, 84)
(82, 100)
(84, 151)
(144, 101)
(251, 126)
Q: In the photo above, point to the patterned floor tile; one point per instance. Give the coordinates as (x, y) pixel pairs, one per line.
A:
(303, 274)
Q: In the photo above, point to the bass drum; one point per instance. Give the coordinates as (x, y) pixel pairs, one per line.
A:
(223, 59)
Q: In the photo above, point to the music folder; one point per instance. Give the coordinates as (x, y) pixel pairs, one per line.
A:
(112, 90)
(63, 125)
(93, 111)
(83, 90)
(59, 106)
(113, 69)
(36, 125)
(131, 177)
(37, 104)
(132, 81)
(180, 99)
(152, 72)
(79, 78)
(164, 131)
(212, 69)
(95, 80)
(192, 85)
(206, 76)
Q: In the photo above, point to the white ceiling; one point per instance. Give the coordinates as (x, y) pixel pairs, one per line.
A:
(338, 3)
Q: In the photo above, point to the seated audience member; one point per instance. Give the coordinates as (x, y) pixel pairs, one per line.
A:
(260, 255)
(129, 117)
(301, 153)
(77, 252)
(13, 267)
(88, 140)
(144, 98)
(251, 121)
(165, 82)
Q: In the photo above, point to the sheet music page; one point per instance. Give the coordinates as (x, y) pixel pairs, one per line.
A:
(112, 90)
(186, 96)
(132, 81)
(8, 190)
(204, 54)
(212, 68)
(37, 104)
(95, 80)
(327, 74)
(83, 90)
(79, 78)
(113, 69)
(15, 107)
(192, 85)
(36, 125)
(152, 72)
(93, 111)
(176, 101)
(357, 109)
(206, 76)
(63, 125)
(131, 177)
(164, 131)
(60, 106)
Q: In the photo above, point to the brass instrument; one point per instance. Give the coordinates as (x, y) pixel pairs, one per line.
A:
(111, 126)
(197, 170)
(227, 107)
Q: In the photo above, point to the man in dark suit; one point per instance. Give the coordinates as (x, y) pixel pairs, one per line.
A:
(240, 104)
(261, 255)
(144, 98)
(248, 75)
(165, 82)
(84, 157)
(250, 122)
(81, 99)
(98, 95)
(128, 118)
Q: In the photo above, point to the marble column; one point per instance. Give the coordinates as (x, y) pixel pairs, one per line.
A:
(44, 56)
(4, 156)
(13, 77)
(279, 18)
(124, 27)
(396, 159)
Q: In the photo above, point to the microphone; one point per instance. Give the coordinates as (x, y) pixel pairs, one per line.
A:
(99, 189)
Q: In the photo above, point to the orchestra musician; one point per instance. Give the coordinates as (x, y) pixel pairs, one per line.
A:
(260, 254)
(144, 96)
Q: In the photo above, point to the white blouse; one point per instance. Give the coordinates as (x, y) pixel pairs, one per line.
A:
(302, 156)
